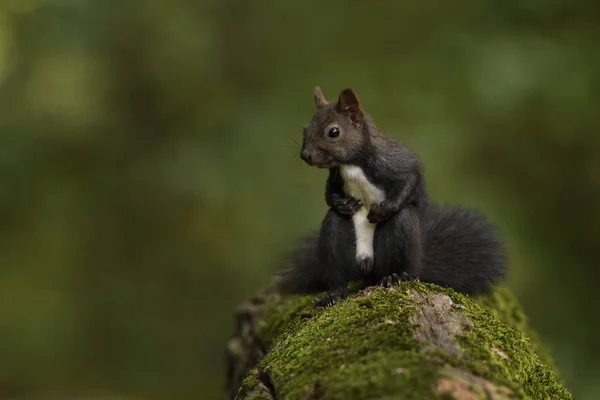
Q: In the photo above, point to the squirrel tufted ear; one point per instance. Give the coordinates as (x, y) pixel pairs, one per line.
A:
(348, 103)
(320, 100)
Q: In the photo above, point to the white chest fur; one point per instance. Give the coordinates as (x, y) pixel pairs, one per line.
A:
(357, 185)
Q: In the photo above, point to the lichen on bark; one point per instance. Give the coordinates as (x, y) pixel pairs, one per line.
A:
(412, 341)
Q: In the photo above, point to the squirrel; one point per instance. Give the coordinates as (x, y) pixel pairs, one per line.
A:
(380, 227)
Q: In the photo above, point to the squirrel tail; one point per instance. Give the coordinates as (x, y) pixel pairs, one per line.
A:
(462, 250)
(302, 272)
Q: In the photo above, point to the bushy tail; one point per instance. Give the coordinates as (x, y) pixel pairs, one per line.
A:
(462, 250)
(302, 271)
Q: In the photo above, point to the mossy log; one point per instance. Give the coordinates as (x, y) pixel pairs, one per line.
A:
(411, 341)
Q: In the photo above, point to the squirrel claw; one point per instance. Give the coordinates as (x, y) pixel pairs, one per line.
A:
(331, 298)
(394, 279)
(390, 280)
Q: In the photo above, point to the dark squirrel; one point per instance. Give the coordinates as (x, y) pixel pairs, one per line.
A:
(380, 227)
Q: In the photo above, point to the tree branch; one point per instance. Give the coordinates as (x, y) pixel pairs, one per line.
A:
(413, 341)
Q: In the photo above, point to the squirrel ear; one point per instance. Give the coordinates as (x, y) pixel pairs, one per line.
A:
(320, 100)
(348, 103)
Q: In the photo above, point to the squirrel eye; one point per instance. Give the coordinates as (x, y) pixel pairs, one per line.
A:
(333, 132)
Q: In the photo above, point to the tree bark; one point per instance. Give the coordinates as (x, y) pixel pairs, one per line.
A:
(412, 341)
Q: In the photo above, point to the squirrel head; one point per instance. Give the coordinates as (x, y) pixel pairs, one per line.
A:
(336, 134)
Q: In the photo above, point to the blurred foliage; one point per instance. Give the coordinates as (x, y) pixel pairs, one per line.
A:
(151, 180)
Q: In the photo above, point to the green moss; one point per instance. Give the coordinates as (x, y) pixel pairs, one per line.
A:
(503, 304)
(250, 388)
(502, 353)
(284, 314)
(363, 347)
(376, 361)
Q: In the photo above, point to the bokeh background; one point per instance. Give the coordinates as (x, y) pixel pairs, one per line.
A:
(150, 178)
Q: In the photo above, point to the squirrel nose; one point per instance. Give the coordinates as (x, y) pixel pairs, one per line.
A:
(305, 156)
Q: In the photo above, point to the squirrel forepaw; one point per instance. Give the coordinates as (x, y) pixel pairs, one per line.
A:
(346, 205)
(380, 213)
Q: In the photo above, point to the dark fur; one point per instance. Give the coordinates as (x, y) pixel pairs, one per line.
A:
(461, 251)
(451, 246)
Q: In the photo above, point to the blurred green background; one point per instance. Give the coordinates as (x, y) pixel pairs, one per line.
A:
(151, 179)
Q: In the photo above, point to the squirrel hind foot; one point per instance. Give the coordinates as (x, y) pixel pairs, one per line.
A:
(395, 279)
(331, 298)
